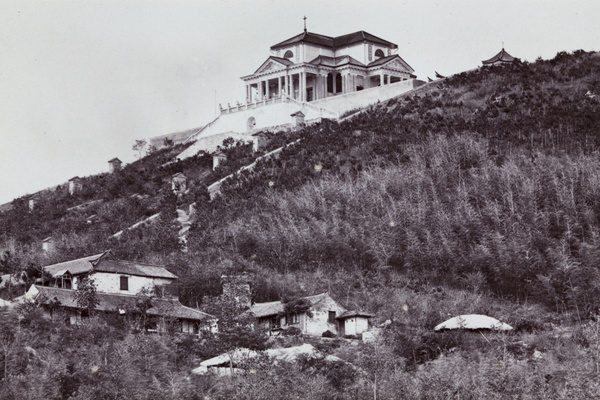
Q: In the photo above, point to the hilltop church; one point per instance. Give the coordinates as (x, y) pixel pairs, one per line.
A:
(310, 66)
(309, 75)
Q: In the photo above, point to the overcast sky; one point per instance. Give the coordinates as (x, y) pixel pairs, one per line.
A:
(80, 81)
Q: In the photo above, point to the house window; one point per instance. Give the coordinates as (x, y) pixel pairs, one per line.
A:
(370, 52)
(274, 322)
(331, 318)
(292, 319)
(124, 283)
(64, 282)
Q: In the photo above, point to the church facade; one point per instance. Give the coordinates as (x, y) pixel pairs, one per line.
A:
(310, 66)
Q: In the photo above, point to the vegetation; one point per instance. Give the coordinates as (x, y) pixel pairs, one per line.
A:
(476, 194)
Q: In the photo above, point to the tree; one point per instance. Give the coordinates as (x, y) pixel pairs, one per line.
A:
(85, 295)
(139, 147)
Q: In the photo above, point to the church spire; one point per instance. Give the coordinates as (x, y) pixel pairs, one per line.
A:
(305, 24)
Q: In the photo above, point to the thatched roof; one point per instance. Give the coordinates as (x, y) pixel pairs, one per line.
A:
(473, 321)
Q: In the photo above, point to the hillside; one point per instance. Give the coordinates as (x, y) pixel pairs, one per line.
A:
(478, 193)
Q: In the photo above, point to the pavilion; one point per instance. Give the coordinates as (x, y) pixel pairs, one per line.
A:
(501, 58)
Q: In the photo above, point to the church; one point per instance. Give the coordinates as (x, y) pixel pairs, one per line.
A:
(310, 66)
(311, 76)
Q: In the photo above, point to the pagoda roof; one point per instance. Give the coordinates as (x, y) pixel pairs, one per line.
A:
(501, 57)
(328, 41)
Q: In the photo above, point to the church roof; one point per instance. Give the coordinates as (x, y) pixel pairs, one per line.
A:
(336, 61)
(385, 60)
(328, 41)
(359, 37)
(502, 56)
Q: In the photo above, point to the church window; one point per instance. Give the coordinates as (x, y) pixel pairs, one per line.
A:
(379, 53)
(288, 54)
(329, 83)
(338, 83)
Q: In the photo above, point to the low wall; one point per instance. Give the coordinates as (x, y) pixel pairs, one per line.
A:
(364, 98)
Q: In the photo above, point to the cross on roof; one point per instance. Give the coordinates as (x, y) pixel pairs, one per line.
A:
(305, 23)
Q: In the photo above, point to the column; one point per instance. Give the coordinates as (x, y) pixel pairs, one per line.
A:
(279, 86)
(267, 89)
(302, 86)
(260, 91)
(381, 83)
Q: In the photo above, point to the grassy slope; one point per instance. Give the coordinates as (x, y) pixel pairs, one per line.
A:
(433, 204)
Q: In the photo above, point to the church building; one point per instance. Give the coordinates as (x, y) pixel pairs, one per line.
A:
(310, 66)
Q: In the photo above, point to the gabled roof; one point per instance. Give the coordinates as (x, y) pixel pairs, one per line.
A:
(112, 302)
(501, 57)
(115, 160)
(75, 178)
(339, 41)
(284, 62)
(75, 267)
(105, 262)
(178, 175)
(297, 114)
(390, 59)
(261, 310)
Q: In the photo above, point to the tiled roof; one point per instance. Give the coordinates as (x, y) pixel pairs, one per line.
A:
(336, 61)
(350, 314)
(502, 56)
(131, 268)
(359, 37)
(104, 262)
(112, 302)
(307, 37)
(79, 266)
(261, 310)
(328, 41)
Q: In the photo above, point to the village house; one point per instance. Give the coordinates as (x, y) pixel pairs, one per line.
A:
(316, 315)
(179, 183)
(353, 323)
(48, 244)
(121, 288)
(75, 185)
(114, 165)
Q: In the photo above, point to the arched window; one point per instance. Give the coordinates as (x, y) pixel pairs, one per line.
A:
(288, 54)
(338, 83)
(329, 83)
(379, 53)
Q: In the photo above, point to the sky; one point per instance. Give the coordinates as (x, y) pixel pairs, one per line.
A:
(80, 81)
